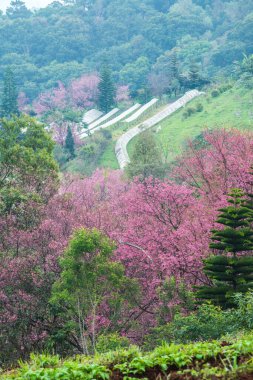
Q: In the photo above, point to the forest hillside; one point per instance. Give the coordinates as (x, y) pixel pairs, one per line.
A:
(126, 190)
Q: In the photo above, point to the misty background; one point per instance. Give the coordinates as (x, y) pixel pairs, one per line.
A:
(29, 3)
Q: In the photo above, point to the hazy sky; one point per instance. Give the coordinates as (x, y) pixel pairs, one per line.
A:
(29, 3)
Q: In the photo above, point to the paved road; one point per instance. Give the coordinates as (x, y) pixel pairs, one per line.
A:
(121, 144)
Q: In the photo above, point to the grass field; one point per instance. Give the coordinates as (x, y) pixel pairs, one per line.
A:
(108, 159)
(233, 108)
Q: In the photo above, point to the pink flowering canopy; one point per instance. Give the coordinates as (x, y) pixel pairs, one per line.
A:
(161, 229)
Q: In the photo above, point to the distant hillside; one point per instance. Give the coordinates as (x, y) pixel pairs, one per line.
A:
(233, 109)
(136, 38)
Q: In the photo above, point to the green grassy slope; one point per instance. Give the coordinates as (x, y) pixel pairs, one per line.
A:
(108, 159)
(199, 360)
(233, 108)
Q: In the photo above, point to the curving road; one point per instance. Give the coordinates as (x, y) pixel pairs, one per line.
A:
(121, 144)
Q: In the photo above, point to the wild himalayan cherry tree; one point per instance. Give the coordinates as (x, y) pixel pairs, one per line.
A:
(80, 93)
(60, 129)
(49, 100)
(84, 90)
(23, 102)
(161, 228)
(122, 94)
(217, 162)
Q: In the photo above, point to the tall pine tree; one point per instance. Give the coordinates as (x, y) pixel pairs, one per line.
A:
(9, 104)
(231, 269)
(106, 99)
(70, 143)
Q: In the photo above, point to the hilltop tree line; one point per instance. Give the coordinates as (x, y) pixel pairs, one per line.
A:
(68, 39)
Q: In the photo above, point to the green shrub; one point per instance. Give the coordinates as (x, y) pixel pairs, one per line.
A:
(192, 110)
(215, 93)
(206, 323)
(111, 342)
(201, 360)
(225, 87)
(199, 107)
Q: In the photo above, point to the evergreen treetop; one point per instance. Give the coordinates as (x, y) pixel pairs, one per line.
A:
(230, 270)
(9, 104)
(106, 98)
(70, 143)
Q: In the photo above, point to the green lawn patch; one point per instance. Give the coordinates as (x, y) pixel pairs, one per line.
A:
(233, 109)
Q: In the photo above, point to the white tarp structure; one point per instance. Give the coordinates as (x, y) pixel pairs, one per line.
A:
(141, 110)
(91, 115)
(121, 144)
(103, 118)
(110, 122)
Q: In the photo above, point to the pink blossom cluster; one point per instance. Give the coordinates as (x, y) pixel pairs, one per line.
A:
(161, 228)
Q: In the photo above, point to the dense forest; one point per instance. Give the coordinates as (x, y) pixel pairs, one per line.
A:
(136, 38)
(126, 190)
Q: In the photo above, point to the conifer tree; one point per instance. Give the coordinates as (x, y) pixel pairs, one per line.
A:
(9, 104)
(231, 270)
(106, 90)
(174, 65)
(70, 143)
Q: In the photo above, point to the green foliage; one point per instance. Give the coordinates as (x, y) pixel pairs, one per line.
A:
(77, 36)
(135, 74)
(17, 9)
(9, 106)
(215, 93)
(203, 360)
(229, 272)
(170, 291)
(89, 279)
(50, 367)
(147, 159)
(220, 89)
(29, 173)
(207, 322)
(106, 97)
(192, 110)
(87, 157)
(70, 143)
(111, 342)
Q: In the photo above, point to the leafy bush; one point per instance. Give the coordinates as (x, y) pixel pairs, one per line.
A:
(208, 322)
(111, 342)
(215, 93)
(225, 87)
(219, 90)
(203, 360)
(192, 110)
(199, 107)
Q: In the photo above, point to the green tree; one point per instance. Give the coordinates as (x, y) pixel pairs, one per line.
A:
(9, 97)
(28, 172)
(70, 143)
(147, 158)
(90, 281)
(106, 98)
(17, 9)
(230, 271)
